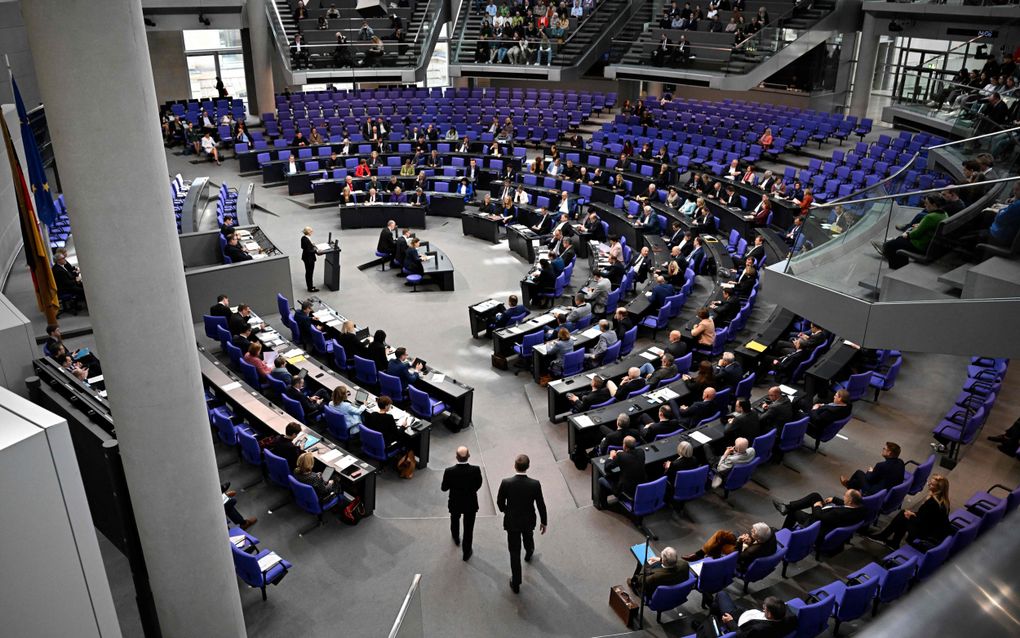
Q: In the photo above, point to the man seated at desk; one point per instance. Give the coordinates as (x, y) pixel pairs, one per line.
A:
(242, 318)
(242, 339)
(622, 322)
(615, 271)
(660, 292)
(725, 310)
(280, 370)
(487, 206)
(545, 222)
(310, 403)
(776, 408)
(661, 571)
(580, 310)
(667, 370)
(419, 198)
(606, 338)
(598, 293)
(648, 219)
(563, 256)
(630, 462)
(503, 318)
(599, 394)
(591, 228)
(397, 196)
(221, 308)
(401, 368)
(823, 415)
(305, 322)
(665, 425)
(373, 197)
(641, 263)
(413, 259)
(284, 446)
(727, 370)
(235, 251)
(689, 416)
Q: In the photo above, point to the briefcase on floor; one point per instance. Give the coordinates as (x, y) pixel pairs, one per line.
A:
(500, 362)
(624, 606)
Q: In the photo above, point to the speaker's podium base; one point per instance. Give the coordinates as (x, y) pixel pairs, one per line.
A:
(331, 273)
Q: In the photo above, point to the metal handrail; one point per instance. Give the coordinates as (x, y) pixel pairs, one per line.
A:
(926, 191)
(671, 44)
(1015, 129)
(405, 604)
(778, 20)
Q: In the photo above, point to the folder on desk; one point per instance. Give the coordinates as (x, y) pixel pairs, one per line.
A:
(638, 550)
(700, 437)
(584, 420)
(648, 355)
(754, 345)
(331, 456)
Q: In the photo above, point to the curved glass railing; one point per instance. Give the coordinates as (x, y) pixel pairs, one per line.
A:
(844, 246)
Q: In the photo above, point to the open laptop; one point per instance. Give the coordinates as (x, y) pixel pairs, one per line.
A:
(360, 397)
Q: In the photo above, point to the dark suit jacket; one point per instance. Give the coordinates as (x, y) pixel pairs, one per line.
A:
(234, 252)
(626, 388)
(663, 577)
(353, 346)
(823, 416)
(304, 323)
(302, 398)
(594, 397)
(756, 550)
(462, 481)
(726, 311)
(660, 427)
(307, 249)
(743, 426)
(780, 412)
(518, 498)
(885, 475)
(616, 437)
(64, 277)
(728, 376)
(632, 470)
(695, 412)
(384, 424)
(835, 516)
(660, 292)
(219, 310)
(387, 244)
(285, 448)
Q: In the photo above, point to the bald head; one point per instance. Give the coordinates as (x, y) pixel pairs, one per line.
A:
(675, 336)
(708, 394)
(463, 454)
(741, 444)
(629, 442)
(775, 392)
(633, 373)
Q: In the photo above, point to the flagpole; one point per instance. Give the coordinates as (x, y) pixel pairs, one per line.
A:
(43, 228)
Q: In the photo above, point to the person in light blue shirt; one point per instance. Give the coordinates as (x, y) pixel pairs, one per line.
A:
(1006, 223)
(351, 413)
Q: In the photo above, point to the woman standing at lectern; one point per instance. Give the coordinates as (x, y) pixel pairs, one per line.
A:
(308, 257)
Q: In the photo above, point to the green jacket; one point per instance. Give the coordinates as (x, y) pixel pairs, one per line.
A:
(923, 233)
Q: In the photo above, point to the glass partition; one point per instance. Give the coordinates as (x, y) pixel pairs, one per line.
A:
(852, 242)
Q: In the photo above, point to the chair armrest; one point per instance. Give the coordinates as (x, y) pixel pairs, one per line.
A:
(1001, 487)
(911, 462)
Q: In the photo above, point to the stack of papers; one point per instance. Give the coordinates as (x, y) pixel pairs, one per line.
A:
(331, 456)
(667, 393)
(656, 350)
(239, 540)
(296, 352)
(231, 386)
(700, 437)
(584, 420)
(648, 355)
(787, 390)
(269, 561)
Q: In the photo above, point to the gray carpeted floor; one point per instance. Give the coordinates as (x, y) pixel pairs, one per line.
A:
(350, 581)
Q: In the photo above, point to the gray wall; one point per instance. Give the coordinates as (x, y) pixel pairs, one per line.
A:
(169, 66)
(17, 347)
(252, 282)
(14, 40)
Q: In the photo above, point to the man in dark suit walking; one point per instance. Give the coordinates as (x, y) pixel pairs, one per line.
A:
(463, 481)
(517, 498)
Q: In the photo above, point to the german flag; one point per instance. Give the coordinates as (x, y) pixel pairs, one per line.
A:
(35, 250)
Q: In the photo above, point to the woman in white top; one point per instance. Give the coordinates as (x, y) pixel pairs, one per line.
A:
(521, 196)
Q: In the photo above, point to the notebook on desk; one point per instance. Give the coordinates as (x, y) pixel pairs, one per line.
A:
(310, 441)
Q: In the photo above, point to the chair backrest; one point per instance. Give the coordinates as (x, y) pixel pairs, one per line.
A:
(247, 567)
(336, 423)
(872, 504)
(763, 446)
(799, 542)
(612, 353)
(894, 498)
(889, 379)
(833, 429)
(222, 335)
(319, 341)
(250, 374)
(649, 497)
(304, 496)
(992, 516)
(234, 353)
(920, 476)
(628, 341)
(813, 619)
(666, 597)
(856, 600)
(745, 385)
(293, 408)
(225, 430)
(717, 573)
(295, 330)
(277, 468)
(834, 541)
(740, 475)
(530, 341)
(250, 450)
(211, 323)
(965, 534)
(792, 436)
(372, 443)
(573, 362)
(391, 386)
(364, 370)
(690, 484)
(896, 580)
(933, 558)
(339, 356)
(762, 566)
(858, 384)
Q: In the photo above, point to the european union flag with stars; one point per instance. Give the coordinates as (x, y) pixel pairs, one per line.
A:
(45, 210)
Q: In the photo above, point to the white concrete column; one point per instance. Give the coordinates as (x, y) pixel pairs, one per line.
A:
(653, 89)
(261, 56)
(867, 54)
(92, 63)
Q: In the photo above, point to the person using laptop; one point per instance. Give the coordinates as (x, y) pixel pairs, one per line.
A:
(310, 403)
(341, 403)
(284, 446)
(324, 489)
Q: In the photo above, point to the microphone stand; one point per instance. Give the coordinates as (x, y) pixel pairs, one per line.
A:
(644, 574)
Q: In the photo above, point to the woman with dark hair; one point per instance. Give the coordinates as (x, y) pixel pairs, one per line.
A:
(377, 350)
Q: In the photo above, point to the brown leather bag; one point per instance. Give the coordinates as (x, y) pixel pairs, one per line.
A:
(624, 606)
(407, 465)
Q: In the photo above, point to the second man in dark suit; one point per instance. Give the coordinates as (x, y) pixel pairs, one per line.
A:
(463, 481)
(518, 498)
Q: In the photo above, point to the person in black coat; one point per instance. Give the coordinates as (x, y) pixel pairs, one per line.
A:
(683, 462)
(615, 436)
(688, 416)
(308, 256)
(234, 251)
(383, 422)
(462, 481)
(777, 623)
(599, 394)
(727, 371)
(823, 415)
(778, 410)
(631, 463)
(833, 512)
(744, 424)
(622, 322)
(665, 425)
(929, 525)
(303, 319)
(518, 498)
(726, 309)
(885, 475)
(376, 350)
(413, 259)
(221, 308)
(67, 277)
(284, 447)
(388, 240)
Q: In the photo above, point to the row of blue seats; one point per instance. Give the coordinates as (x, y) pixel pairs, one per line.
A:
(973, 404)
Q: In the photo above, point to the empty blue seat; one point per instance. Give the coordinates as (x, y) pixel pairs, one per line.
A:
(247, 567)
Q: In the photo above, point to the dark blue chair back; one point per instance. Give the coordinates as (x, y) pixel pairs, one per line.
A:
(854, 601)
(792, 436)
(373, 444)
(234, 354)
(919, 478)
(744, 386)
(336, 424)
(211, 323)
(225, 429)
(896, 580)
(283, 305)
(740, 475)
(835, 540)
(364, 371)
(762, 566)
(872, 504)
(798, 543)
(690, 484)
(858, 384)
(319, 341)
(276, 385)
(340, 361)
(293, 408)
(612, 353)
(250, 450)
(573, 362)
(529, 342)
(305, 496)
(667, 597)
(648, 498)
(277, 469)
(391, 386)
(250, 374)
(894, 499)
(813, 618)
(223, 336)
(717, 573)
(628, 341)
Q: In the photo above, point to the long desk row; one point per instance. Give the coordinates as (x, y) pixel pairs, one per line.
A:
(267, 418)
(458, 396)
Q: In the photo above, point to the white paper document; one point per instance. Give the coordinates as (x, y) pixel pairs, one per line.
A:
(438, 378)
(788, 390)
(269, 561)
(584, 420)
(648, 355)
(231, 386)
(331, 456)
(700, 437)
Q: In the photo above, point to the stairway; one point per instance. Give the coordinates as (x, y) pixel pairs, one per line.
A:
(578, 42)
(633, 29)
(747, 57)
